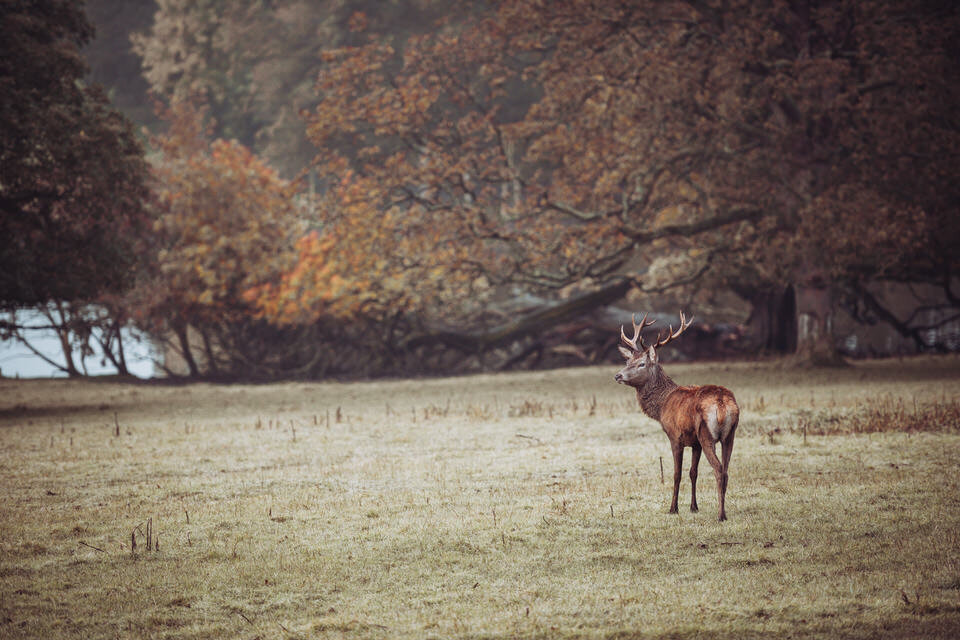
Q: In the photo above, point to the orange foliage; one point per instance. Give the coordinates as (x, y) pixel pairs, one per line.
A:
(224, 225)
(366, 262)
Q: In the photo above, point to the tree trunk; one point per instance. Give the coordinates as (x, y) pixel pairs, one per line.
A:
(815, 343)
(70, 367)
(181, 330)
(118, 359)
(773, 319)
(62, 327)
(208, 350)
(121, 361)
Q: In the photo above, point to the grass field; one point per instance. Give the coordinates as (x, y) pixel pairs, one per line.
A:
(514, 505)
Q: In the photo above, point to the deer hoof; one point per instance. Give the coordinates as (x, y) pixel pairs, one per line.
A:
(694, 508)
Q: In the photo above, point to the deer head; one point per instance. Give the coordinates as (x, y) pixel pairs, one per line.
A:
(642, 360)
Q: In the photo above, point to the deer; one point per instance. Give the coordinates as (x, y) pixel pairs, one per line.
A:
(698, 417)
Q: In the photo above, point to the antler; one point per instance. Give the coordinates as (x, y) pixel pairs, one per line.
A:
(637, 328)
(684, 323)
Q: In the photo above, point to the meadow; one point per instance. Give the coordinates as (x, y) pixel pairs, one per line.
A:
(527, 505)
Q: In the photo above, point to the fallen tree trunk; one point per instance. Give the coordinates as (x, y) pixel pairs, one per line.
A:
(534, 322)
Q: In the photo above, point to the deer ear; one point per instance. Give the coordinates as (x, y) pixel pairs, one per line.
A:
(626, 353)
(652, 355)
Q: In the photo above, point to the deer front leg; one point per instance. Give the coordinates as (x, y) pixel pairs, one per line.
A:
(677, 472)
(694, 464)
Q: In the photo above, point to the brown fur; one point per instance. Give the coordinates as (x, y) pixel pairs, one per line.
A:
(685, 413)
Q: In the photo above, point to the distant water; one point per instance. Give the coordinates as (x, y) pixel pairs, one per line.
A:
(18, 361)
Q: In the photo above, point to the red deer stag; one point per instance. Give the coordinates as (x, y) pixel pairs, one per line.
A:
(697, 417)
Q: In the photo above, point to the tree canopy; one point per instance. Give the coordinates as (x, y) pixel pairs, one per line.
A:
(769, 143)
(72, 175)
(224, 224)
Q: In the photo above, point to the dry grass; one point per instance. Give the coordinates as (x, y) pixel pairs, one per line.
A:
(520, 505)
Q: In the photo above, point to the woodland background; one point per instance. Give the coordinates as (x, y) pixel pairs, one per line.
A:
(297, 189)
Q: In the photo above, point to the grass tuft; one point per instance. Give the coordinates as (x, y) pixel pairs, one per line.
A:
(884, 414)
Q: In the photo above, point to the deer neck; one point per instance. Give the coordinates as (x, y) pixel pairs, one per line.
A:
(652, 395)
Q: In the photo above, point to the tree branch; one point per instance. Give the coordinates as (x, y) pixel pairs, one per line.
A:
(741, 214)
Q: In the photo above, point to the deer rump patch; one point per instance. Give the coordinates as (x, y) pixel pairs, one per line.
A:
(718, 415)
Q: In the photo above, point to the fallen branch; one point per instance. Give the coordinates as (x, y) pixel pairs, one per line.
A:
(531, 323)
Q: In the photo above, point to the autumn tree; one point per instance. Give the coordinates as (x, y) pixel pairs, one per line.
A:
(817, 115)
(449, 129)
(576, 141)
(845, 106)
(224, 224)
(367, 277)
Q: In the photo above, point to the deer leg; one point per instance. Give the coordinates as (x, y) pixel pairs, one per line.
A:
(677, 472)
(694, 464)
(725, 454)
(709, 450)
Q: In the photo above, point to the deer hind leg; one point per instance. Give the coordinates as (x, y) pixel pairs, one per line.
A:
(677, 472)
(694, 464)
(725, 455)
(709, 450)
